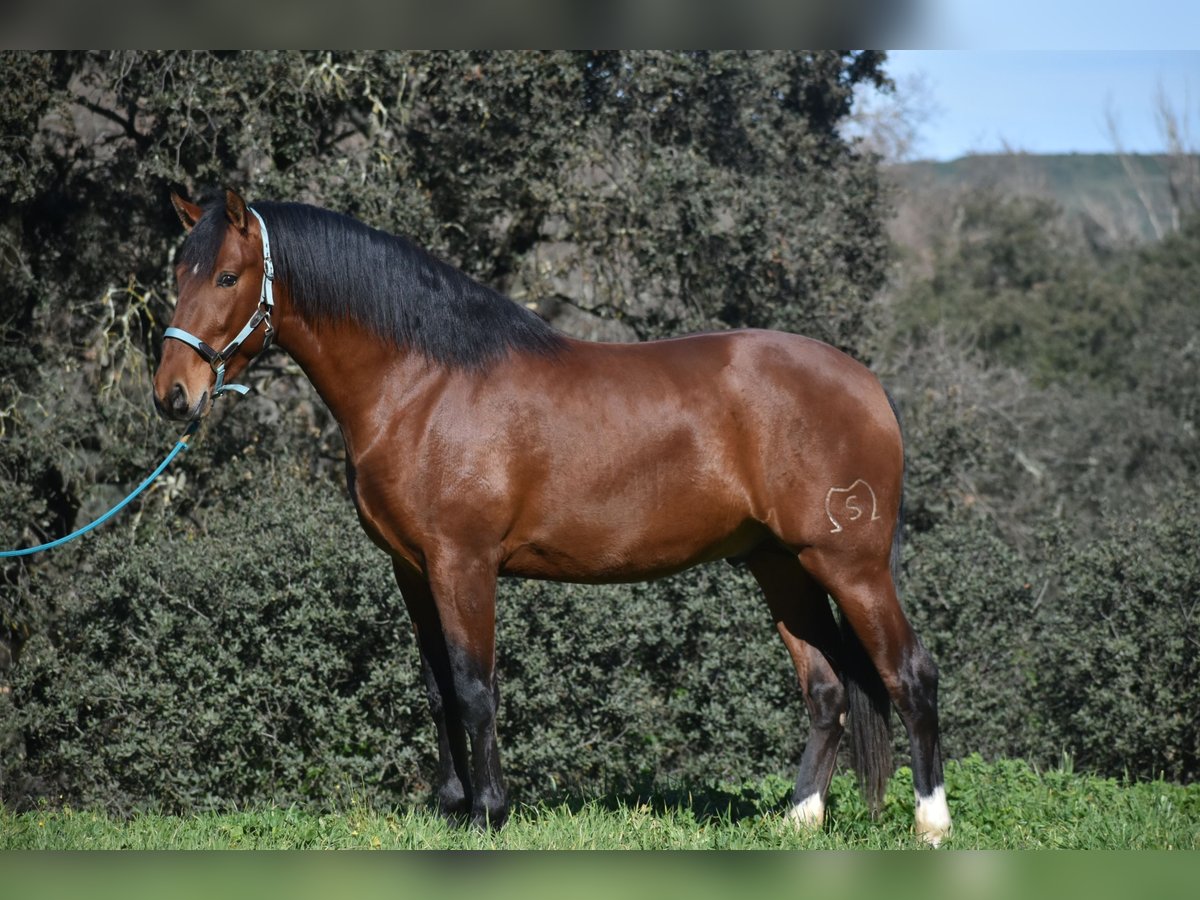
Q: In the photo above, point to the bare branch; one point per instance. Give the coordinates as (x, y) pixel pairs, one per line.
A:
(1114, 135)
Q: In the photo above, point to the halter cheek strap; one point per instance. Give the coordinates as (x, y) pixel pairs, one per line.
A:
(266, 305)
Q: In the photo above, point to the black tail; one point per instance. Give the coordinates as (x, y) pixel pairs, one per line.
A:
(870, 706)
(898, 537)
(870, 720)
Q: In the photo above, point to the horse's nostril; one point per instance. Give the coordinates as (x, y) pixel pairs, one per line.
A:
(177, 399)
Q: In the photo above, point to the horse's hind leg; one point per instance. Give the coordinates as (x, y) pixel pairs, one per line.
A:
(864, 591)
(805, 622)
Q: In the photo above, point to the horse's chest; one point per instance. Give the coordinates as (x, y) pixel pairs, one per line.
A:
(380, 519)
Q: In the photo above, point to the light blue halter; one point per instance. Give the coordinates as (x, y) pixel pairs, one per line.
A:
(266, 304)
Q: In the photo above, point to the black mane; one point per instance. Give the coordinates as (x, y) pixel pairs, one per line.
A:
(337, 269)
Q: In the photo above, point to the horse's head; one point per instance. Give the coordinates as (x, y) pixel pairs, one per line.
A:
(222, 317)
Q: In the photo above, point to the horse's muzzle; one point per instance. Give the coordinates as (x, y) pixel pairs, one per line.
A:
(176, 404)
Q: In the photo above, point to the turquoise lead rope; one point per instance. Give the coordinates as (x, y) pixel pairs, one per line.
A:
(180, 445)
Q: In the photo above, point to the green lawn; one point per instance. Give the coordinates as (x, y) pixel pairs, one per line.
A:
(1004, 805)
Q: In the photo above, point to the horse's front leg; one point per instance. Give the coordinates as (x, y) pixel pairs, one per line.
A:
(453, 792)
(464, 593)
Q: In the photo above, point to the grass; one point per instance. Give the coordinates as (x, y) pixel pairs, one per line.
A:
(1001, 805)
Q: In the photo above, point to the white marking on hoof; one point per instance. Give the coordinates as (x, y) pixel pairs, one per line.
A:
(933, 817)
(808, 814)
(842, 720)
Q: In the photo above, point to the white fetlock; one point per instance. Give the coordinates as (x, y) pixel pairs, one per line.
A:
(933, 817)
(808, 814)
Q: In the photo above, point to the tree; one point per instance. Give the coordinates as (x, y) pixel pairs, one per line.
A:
(671, 192)
(635, 194)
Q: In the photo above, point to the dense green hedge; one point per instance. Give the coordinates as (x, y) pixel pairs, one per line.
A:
(1093, 652)
(1119, 679)
(269, 660)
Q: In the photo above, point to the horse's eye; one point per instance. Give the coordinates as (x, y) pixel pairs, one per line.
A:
(226, 279)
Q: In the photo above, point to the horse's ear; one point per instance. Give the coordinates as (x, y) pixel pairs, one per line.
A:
(189, 213)
(235, 208)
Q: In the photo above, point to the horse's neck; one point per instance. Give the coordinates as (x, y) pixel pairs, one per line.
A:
(355, 372)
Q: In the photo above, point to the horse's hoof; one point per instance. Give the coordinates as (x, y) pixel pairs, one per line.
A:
(933, 837)
(489, 810)
(489, 820)
(455, 809)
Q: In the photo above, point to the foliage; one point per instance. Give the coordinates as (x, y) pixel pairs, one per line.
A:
(692, 190)
(269, 659)
(1015, 281)
(979, 627)
(1041, 381)
(1087, 650)
(188, 667)
(1055, 475)
(1118, 654)
(719, 192)
(193, 669)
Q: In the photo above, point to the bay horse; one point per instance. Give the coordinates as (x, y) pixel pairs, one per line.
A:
(482, 443)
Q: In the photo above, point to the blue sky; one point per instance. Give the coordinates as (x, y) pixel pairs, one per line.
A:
(1038, 75)
(1057, 24)
(1046, 101)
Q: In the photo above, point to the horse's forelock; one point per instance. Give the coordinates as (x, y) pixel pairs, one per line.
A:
(204, 241)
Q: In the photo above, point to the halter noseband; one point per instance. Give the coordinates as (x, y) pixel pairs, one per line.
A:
(266, 304)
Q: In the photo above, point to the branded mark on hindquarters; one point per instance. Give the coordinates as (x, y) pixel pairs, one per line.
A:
(844, 505)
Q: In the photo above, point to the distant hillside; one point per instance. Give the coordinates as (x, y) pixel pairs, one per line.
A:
(1115, 200)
